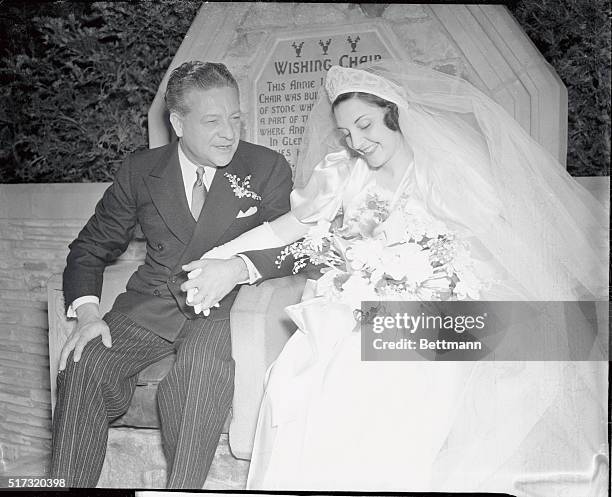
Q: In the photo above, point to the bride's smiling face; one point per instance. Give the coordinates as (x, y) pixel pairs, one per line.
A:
(364, 128)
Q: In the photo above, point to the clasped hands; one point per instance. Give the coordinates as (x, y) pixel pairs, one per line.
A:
(209, 280)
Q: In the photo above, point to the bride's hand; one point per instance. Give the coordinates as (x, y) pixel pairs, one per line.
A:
(197, 308)
(213, 253)
(212, 279)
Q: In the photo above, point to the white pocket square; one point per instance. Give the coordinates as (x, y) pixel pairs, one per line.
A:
(249, 212)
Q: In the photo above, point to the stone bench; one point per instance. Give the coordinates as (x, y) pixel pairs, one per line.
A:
(259, 330)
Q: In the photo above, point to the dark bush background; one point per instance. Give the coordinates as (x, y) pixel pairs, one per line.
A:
(77, 83)
(78, 78)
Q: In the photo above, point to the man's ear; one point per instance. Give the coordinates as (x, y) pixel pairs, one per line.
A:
(177, 123)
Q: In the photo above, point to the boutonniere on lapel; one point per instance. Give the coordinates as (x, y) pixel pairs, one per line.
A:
(241, 186)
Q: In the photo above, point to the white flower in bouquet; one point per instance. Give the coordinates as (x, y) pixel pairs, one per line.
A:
(317, 247)
(365, 220)
(436, 288)
(419, 224)
(408, 262)
(459, 265)
(318, 234)
(365, 254)
(393, 228)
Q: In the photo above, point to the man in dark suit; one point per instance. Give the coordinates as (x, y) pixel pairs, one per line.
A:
(187, 197)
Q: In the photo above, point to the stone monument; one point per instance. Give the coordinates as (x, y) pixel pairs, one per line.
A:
(290, 70)
(279, 53)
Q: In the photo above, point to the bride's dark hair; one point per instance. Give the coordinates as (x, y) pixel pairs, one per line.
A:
(391, 118)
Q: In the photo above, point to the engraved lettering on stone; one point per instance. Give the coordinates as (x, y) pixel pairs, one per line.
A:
(288, 85)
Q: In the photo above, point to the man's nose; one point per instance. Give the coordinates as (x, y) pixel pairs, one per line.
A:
(227, 131)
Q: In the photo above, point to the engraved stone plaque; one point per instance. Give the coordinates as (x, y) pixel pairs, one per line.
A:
(288, 77)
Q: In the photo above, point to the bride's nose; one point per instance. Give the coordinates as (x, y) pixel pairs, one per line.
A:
(357, 141)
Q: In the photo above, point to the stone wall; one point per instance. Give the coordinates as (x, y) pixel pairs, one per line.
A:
(36, 224)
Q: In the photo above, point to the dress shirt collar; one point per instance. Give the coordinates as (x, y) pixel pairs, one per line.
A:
(189, 172)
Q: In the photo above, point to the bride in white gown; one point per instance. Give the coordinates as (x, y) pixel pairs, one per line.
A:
(330, 421)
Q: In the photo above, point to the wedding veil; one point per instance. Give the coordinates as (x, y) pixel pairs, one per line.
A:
(475, 166)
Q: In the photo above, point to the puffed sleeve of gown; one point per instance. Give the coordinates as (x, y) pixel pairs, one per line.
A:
(321, 198)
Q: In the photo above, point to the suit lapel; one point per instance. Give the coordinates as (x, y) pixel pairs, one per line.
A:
(220, 208)
(165, 184)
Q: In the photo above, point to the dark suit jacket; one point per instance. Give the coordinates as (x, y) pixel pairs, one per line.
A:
(148, 190)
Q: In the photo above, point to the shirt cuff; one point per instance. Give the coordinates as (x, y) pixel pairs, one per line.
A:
(85, 299)
(254, 274)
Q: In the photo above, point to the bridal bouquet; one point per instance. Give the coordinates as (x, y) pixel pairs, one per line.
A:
(377, 254)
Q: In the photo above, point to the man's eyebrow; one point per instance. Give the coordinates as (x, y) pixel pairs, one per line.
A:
(212, 114)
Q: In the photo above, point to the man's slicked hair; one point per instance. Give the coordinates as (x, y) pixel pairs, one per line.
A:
(194, 75)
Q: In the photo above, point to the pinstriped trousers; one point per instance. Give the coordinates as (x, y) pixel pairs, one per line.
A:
(193, 399)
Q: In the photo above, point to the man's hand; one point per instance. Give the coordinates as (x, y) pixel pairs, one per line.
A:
(89, 326)
(213, 279)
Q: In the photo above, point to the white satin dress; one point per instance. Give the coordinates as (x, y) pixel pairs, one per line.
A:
(329, 421)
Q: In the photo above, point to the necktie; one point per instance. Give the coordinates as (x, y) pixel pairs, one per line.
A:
(198, 194)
